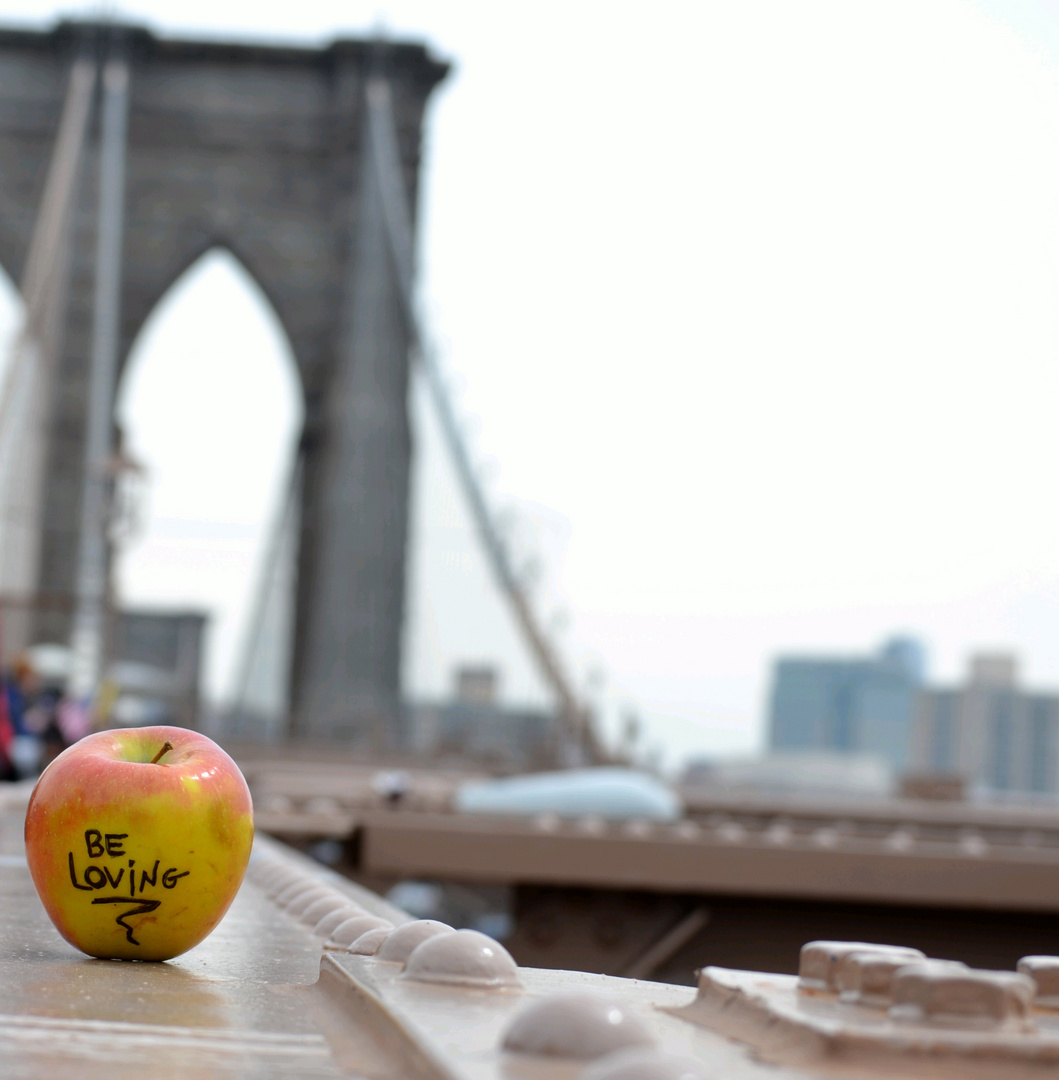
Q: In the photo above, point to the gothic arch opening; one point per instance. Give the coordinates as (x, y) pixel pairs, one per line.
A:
(211, 406)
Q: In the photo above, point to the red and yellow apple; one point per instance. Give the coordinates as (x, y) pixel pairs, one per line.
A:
(137, 840)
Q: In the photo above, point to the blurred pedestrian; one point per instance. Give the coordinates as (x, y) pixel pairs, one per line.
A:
(7, 738)
(42, 718)
(22, 688)
(74, 719)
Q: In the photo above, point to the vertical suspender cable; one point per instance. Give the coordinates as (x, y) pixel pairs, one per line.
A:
(269, 580)
(89, 618)
(382, 145)
(25, 398)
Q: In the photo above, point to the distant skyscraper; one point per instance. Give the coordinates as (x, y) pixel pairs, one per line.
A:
(989, 732)
(857, 705)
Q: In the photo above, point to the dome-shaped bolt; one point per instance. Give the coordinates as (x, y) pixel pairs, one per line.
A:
(303, 901)
(399, 945)
(333, 901)
(779, 832)
(731, 832)
(275, 804)
(938, 992)
(591, 825)
(347, 932)
(282, 878)
(322, 804)
(295, 888)
(687, 830)
(973, 843)
(464, 958)
(369, 943)
(330, 922)
(576, 1025)
(901, 840)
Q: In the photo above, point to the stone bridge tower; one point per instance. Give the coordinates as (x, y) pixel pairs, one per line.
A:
(259, 150)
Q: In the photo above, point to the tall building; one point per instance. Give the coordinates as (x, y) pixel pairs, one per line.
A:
(989, 732)
(857, 705)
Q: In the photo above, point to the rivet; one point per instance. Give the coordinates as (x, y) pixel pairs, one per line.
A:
(463, 958)
(302, 900)
(282, 878)
(312, 914)
(591, 825)
(347, 932)
(973, 843)
(576, 1025)
(900, 840)
(330, 922)
(298, 900)
(779, 832)
(731, 832)
(275, 804)
(289, 892)
(369, 943)
(399, 945)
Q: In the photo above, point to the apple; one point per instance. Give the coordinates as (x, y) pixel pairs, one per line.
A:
(137, 840)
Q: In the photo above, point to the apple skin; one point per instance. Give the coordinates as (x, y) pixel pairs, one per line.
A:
(185, 824)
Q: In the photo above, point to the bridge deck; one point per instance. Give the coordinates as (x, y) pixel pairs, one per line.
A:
(260, 999)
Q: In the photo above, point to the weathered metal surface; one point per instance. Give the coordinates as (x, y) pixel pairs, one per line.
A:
(807, 812)
(240, 1004)
(259, 997)
(272, 993)
(939, 1019)
(741, 884)
(888, 850)
(686, 857)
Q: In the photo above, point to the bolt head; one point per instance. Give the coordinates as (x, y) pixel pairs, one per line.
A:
(866, 977)
(818, 966)
(1044, 971)
(946, 994)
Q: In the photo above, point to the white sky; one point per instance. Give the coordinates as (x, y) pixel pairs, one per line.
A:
(754, 308)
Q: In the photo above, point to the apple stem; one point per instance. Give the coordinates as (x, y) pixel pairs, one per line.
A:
(161, 753)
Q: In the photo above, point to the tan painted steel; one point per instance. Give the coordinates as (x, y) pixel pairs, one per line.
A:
(687, 858)
(260, 998)
(901, 851)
